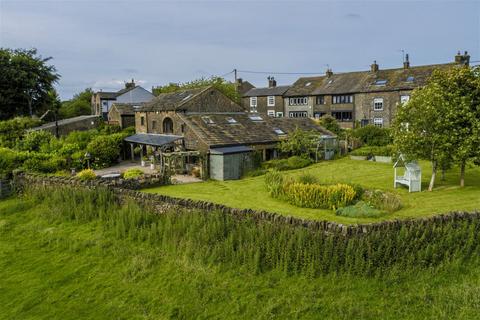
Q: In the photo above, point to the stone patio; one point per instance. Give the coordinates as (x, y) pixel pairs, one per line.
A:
(125, 165)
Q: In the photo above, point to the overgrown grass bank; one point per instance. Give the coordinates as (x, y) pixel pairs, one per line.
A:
(252, 193)
(70, 254)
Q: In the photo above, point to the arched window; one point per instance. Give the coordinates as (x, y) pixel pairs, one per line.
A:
(167, 125)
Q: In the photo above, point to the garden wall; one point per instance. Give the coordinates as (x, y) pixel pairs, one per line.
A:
(162, 203)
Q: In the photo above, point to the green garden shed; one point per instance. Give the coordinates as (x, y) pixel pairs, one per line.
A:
(229, 163)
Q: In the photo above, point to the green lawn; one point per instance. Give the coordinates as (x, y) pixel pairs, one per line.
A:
(251, 192)
(53, 268)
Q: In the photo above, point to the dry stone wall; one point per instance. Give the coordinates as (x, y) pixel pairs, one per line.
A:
(161, 204)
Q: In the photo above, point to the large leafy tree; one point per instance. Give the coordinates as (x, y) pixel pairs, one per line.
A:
(25, 82)
(79, 105)
(441, 121)
(461, 90)
(224, 86)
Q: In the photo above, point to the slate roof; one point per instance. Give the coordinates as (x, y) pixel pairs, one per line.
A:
(64, 122)
(364, 81)
(126, 108)
(109, 95)
(244, 131)
(178, 101)
(272, 91)
(152, 139)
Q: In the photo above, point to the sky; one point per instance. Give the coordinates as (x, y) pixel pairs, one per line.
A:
(102, 44)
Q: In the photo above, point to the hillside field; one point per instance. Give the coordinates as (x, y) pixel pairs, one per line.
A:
(251, 192)
(59, 261)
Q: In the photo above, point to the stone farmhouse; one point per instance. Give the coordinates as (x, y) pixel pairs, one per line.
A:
(267, 101)
(102, 101)
(353, 98)
(210, 131)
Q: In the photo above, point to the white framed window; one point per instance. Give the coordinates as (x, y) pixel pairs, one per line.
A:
(378, 104)
(378, 122)
(404, 98)
(271, 113)
(253, 102)
(344, 98)
(279, 114)
(298, 101)
(271, 101)
(298, 114)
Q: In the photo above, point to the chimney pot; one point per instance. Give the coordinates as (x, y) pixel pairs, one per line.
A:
(329, 73)
(374, 66)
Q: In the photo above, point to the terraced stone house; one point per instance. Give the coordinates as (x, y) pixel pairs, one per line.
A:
(364, 97)
(267, 101)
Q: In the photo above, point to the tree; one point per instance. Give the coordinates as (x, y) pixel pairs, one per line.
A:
(461, 89)
(224, 86)
(419, 128)
(331, 124)
(300, 143)
(441, 122)
(25, 81)
(79, 105)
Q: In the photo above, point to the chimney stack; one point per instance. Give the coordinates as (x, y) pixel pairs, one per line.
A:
(271, 82)
(462, 58)
(329, 73)
(374, 66)
(406, 63)
(130, 84)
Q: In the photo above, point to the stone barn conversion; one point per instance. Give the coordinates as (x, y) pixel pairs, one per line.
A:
(217, 136)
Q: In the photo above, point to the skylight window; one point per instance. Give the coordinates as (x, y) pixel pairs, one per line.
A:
(255, 118)
(307, 84)
(278, 131)
(231, 120)
(330, 81)
(380, 82)
(208, 120)
(410, 79)
(187, 97)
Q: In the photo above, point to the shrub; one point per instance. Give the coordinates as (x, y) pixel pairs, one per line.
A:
(11, 159)
(369, 151)
(382, 200)
(359, 210)
(255, 172)
(132, 173)
(299, 143)
(86, 174)
(105, 150)
(11, 131)
(373, 136)
(274, 181)
(307, 178)
(34, 140)
(291, 163)
(44, 162)
(81, 138)
(319, 196)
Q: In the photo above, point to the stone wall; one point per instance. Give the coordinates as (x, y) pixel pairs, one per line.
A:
(162, 203)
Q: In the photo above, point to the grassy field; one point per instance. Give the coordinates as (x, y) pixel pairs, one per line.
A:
(56, 268)
(251, 192)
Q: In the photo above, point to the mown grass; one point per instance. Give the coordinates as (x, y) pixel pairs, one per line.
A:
(251, 192)
(62, 265)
